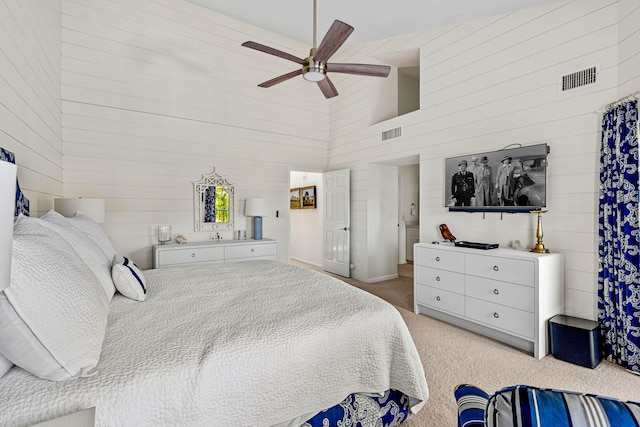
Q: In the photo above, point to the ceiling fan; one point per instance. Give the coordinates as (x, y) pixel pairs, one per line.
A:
(315, 67)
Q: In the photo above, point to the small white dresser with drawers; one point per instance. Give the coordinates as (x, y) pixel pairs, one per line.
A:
(505, 294)
(214, 251)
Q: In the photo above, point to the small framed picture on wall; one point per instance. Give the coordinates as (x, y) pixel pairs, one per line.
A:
(294, 198)
(308, 195)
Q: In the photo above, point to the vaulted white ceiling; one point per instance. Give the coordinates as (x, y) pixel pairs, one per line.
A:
(372, 19)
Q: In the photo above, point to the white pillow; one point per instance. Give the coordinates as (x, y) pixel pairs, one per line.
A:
(92, 229)
(86, 249)
(5, 365)
(128, 278)
(53, 315)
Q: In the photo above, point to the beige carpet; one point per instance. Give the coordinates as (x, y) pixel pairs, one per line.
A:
(452, 356)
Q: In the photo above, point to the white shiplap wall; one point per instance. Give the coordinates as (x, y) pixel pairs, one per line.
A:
(30, 114)
(486, 84)
(629, 54)
(157, 93)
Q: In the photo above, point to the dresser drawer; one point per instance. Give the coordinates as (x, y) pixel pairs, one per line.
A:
(190, 255)
(443, 260)
(502, 317)
(262, 251)
(440, 299)
(441, 279)
(503, 269)
(509, 294)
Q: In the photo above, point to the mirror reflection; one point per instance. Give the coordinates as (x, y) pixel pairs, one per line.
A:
(213, 203)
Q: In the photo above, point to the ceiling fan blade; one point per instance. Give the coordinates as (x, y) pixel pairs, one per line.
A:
(327, 88)
(281, 78)
(272, 51)
(332, 41)
(360, 69)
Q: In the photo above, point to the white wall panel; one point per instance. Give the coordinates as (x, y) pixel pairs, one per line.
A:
(157, 93)
(629, 40)
(30, 112)
(493, 82)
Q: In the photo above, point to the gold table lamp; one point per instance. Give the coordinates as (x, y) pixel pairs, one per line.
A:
(539, 247)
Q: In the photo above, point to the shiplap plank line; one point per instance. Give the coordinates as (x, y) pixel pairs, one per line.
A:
(112, 120)
(21, 93)
(20, 45)
(30, 113)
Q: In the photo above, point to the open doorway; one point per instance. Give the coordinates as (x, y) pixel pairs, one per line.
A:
(407, 220)
(305, 225)
(408, 211)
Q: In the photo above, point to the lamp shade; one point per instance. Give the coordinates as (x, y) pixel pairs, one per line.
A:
(7, 210)
(68, 207)
(255, 206)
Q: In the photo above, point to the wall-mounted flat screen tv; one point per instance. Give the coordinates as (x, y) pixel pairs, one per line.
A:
(507, 180)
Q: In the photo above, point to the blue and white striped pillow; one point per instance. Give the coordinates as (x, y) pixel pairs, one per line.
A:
(128, 278)
(524, 405)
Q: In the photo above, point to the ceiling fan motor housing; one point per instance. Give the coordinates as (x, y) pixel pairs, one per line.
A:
(313, 71)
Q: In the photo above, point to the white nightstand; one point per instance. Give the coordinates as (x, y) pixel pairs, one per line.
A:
(214, 251)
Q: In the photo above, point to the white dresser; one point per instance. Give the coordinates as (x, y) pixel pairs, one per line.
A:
(214, 251)
(505, 294)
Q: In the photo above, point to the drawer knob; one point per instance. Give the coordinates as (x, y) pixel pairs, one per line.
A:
(496, 291)
(193, 255)
(438, 298)
(438, 258)
(495, 268)
(252, 249)
(437, 278)
(496, 315)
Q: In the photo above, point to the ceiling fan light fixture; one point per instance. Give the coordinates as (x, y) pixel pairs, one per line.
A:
(313, 76)
(314, 71)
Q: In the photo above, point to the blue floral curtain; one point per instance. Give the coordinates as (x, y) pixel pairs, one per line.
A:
(619, 251)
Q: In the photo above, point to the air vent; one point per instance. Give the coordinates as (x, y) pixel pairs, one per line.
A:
(391, 133)
(580, 78)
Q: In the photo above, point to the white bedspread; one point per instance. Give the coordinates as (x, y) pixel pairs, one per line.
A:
(255, 343)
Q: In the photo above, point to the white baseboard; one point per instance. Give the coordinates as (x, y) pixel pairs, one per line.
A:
(383, 278)
(305, 261)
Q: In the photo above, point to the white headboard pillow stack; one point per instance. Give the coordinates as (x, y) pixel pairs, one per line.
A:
(92, 255)
(54, 313)
(93, 230)
(55, 303)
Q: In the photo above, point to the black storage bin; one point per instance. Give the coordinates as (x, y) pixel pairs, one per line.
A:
(575, 340)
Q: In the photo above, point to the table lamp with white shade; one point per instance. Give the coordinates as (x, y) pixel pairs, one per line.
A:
(8, 173)
(257, 208)
(68, 206)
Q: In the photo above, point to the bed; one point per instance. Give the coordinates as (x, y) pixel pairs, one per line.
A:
(256, 343)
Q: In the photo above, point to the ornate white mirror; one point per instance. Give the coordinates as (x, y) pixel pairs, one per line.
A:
(213, 198)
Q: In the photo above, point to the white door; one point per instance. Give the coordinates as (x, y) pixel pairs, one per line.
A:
(337, 195)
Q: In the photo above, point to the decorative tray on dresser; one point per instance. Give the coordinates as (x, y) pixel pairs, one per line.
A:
(505, 294)
(214, 251)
